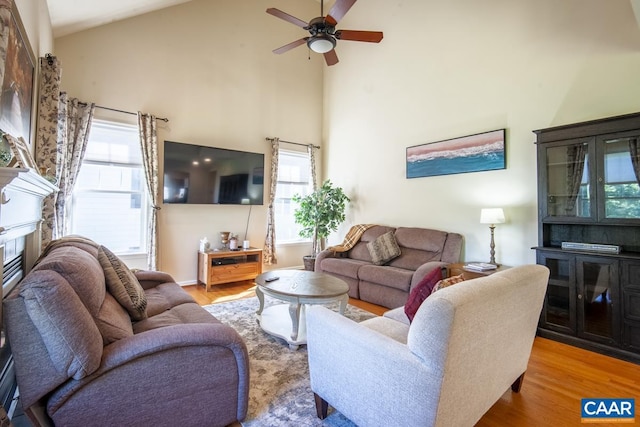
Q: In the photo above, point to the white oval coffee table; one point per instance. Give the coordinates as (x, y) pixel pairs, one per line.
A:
(296, 288)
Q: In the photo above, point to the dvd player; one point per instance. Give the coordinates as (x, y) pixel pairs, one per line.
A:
(592, 247)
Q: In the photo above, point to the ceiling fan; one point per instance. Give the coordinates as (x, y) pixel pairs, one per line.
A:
(323, 34)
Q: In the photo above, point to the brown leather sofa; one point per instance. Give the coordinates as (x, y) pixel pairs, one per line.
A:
(389, 285)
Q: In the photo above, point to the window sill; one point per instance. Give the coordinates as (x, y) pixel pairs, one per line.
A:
(134, 260)
(293, 243)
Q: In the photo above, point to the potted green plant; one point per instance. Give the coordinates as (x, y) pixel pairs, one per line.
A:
(319, 213)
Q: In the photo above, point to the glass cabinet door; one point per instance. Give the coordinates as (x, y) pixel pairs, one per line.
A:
(559, 311)
(568, 189)
(598, 299)
(618, 179)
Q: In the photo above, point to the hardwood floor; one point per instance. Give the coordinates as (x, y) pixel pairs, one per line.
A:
(558, 376)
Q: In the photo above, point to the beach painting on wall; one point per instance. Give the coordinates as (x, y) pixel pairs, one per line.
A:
(473, 153)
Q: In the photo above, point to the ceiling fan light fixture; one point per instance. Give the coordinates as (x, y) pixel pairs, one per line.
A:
(321, 43)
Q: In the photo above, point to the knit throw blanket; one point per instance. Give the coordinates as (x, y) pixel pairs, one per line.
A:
(352, 237)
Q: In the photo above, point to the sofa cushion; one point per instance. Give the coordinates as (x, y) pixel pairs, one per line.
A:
(81, 270)
(395, 330)
(113, 321)
(68, 331)
(342, 266)
(423, 239)
(73, 240)
(448, 282)
(418, 245)
(383, 249)
(165, 296)
(184, 313)
(122, 284)
(421, 292)
(391, 277)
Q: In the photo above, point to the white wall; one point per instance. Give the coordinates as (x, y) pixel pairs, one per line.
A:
(37, 24)
(455, 68)
(208, 67)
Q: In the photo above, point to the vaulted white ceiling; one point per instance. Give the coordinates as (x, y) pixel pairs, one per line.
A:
(70, 16)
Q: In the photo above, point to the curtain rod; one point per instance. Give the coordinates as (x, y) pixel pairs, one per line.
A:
(294, 143)
(164, 119)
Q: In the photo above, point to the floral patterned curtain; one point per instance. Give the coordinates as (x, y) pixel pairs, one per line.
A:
(269, 256)
(635, 157)
(312, 161)
(47, 151)
(576, 155)
(149, 145)
(74, 122)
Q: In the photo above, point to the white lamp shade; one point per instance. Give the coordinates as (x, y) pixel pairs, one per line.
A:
(491, 216)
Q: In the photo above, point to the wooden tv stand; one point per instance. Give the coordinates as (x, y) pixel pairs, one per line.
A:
(217, 267)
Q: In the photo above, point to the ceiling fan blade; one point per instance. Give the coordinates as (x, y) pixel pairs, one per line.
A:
(331, 57)
(359, 36)
(289, 46)
(282, 15)
(339, 9)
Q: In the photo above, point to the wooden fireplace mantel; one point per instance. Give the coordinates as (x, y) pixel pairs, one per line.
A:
(21, 194)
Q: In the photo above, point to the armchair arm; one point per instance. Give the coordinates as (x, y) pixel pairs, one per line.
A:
(170, 337)
(364, 373)
(149, 279)
(424, 269)
(327, 253)
(192, 358)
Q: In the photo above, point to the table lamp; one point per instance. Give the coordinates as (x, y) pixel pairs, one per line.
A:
(492, 216)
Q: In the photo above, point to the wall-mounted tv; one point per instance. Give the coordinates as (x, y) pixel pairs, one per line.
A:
(198, 174)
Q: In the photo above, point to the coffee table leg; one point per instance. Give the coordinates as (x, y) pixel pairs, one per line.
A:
(344, 300)
(260, 296)
(294, 312)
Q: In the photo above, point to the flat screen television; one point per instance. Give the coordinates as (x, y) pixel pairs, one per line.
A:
(198, 174)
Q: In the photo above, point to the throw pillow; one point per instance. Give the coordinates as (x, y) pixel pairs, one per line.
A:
(123, 285)
(448, 282)
(421, 291)
(384, 248)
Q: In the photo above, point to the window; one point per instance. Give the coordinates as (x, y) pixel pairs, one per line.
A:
(621, 189)
(110, 199)
(294, 177)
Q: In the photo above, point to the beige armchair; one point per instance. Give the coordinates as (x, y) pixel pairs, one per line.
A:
(467, 344)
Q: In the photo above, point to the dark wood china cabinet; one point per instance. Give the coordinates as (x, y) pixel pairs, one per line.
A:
(589, 234)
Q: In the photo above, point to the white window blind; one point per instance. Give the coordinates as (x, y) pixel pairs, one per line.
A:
(294, 177)
(110, 200)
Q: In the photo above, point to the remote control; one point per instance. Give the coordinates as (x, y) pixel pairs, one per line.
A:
(271, 279)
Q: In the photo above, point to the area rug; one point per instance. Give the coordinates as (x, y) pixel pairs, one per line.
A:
(280, 394)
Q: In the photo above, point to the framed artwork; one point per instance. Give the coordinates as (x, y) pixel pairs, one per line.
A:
(16, 98)
(473, 153)
(21, 154)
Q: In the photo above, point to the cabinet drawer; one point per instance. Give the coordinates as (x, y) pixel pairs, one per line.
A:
(230, 272)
